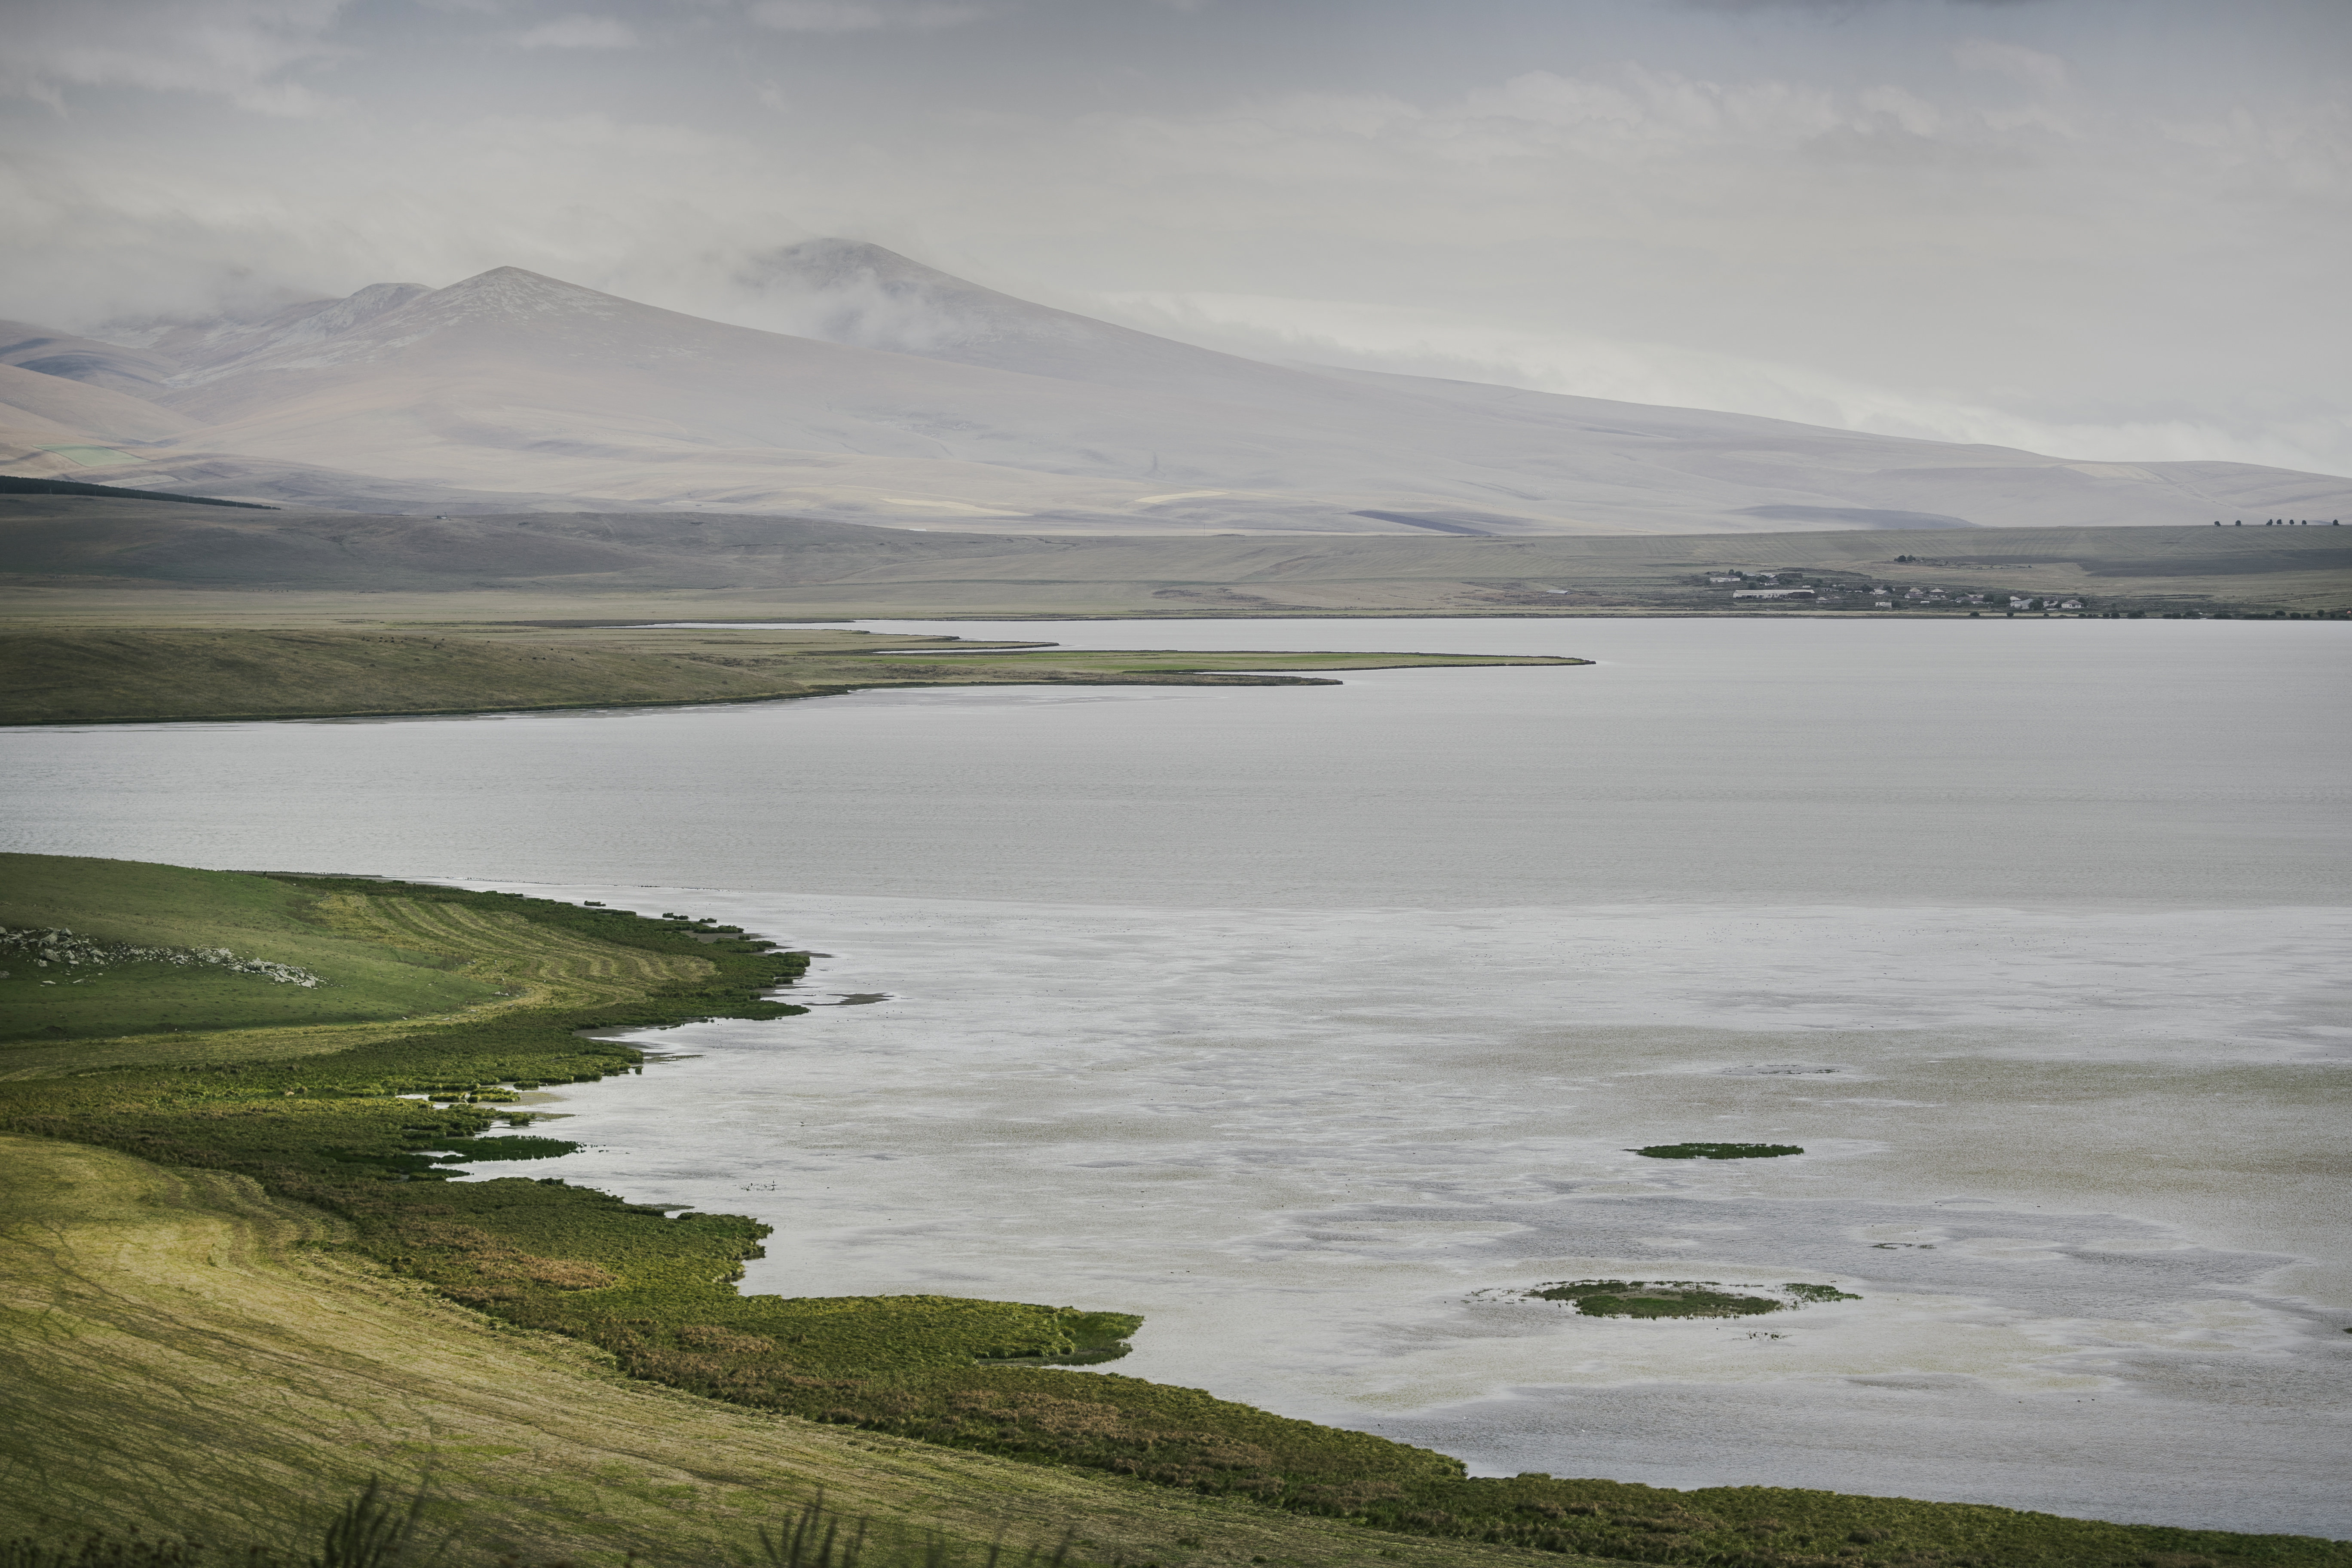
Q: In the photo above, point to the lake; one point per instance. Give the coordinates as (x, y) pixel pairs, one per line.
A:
(1311, 1022)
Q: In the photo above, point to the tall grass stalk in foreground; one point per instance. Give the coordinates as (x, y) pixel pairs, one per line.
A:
(816, 1537)
(373, 1531)
(381, 1528)
(376, 1529)
(100, 1551)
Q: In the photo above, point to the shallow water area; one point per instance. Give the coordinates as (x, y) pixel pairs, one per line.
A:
(1296, 1018)
(1165, 1110)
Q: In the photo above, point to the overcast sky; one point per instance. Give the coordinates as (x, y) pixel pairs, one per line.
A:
(2108, 228)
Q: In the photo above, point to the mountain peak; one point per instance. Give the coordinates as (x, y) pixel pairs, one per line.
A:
(378, 319)
(851, 292)
(514, 291)
(833, 263)
(854, 292)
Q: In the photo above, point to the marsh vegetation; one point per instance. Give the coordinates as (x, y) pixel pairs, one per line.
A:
(1678, 1298)
(1717, 1150)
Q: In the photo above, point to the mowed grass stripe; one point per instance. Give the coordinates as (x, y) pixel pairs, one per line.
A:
(549, 967)
(515, 943)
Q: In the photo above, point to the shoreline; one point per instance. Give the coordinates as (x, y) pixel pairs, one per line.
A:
(657, 1160)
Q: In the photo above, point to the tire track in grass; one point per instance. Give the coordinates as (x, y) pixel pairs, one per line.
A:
(549, 967)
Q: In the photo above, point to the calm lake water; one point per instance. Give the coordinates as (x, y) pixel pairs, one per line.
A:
(1296, 1018)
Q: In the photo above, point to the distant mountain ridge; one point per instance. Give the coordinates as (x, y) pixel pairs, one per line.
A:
(212, 349)
(912, 397)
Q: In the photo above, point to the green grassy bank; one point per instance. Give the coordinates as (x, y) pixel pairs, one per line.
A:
(168, 913)
(323, 1131)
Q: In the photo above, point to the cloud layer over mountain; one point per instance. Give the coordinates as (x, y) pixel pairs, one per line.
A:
(2107, 227)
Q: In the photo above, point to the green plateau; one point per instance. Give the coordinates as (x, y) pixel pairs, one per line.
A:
(238, 1284)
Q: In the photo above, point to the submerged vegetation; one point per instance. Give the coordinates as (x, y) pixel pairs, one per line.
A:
(1717, 1150)
(335, 1126)
(1660, 1298)
(1676, 1298)
(1811, 1293)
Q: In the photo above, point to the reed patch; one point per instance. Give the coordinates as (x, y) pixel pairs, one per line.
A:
(1716, 1151)
(1673, 1297)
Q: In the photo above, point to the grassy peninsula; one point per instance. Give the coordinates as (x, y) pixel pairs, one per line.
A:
(238, 1283)
(73, 676)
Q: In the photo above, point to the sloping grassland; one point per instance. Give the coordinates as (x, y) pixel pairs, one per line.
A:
(187, 1354)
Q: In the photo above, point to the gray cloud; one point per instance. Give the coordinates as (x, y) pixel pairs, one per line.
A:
(578, 32)
(1832, 4)
(2031, 67)
(2030, 224)
(241, 49)
(862, 15)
